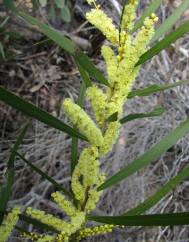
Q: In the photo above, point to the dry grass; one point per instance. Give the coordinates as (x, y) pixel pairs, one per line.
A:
(50, 149)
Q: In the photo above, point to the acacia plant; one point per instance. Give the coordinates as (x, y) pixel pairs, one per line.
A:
(123, 54)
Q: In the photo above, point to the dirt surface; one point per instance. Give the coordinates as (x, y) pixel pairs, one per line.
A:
(43, 74)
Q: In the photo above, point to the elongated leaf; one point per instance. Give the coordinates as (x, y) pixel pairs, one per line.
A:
(35, 112)
(113, 117)
(68, 46)
(163, 44)
(154, 88)
(151, 9)
(157, 112)
(145, 220)
(66, 14)
(87, 65)
(6, 189)
(169, 22)
(161, 193)
(51, 33)
(36, 223)
(151, 155)
(84, 75)
(44, 175)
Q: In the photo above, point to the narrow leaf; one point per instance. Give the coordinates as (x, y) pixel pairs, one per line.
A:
(84, 75)
(6, 189)
(44, 175)
(35, 112)
(169, 22)
(65, 14)
(85, 62)
(64, 42)
(161, 193)
(156, 112)
(68, 45)
(151, 155)
(113, 117)
(154, 88)
(163, 44)
(145, 220)
(151, 9)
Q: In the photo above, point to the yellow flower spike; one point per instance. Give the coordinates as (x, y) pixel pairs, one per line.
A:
(89, 165)
(101, 21)
(88, 169)
(62, 237)
(49, 219)
(8, 224)
(144, 36)
(77, 188)
(129, 15)
(64, 204)
(94, 197)
(111, 63)
(46, 238)
(34, 236)
(83, 122)
(77, 221)
(103, 229)
(91, 2)
(99, 101)
(110, 137)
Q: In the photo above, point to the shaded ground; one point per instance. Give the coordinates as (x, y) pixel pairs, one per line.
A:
(45, 75)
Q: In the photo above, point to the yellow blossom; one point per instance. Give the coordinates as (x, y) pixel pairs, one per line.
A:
(88, 169)
(88, 232)
(8, 224)
(48, 219)
(129, 15)
(91, 1)
(94, 195)
(93, 199)
(99, 101)
(60, 225)
(145, 35)
(101, 21)
(110, 137)
(111, 63)
(66, 205)
(83, 122)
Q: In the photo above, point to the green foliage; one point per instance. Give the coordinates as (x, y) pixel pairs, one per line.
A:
(163, 44)
(35, 112)
(145, 220)
(87, 179)
(44, 175)
(7, 37)
(156, 112)
(160, 194)
(58, 9)
(151, 155)
(171, 20)
(154, 89)
(6, 189)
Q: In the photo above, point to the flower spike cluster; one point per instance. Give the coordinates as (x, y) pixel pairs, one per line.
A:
(8, 224)
(120, 57)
